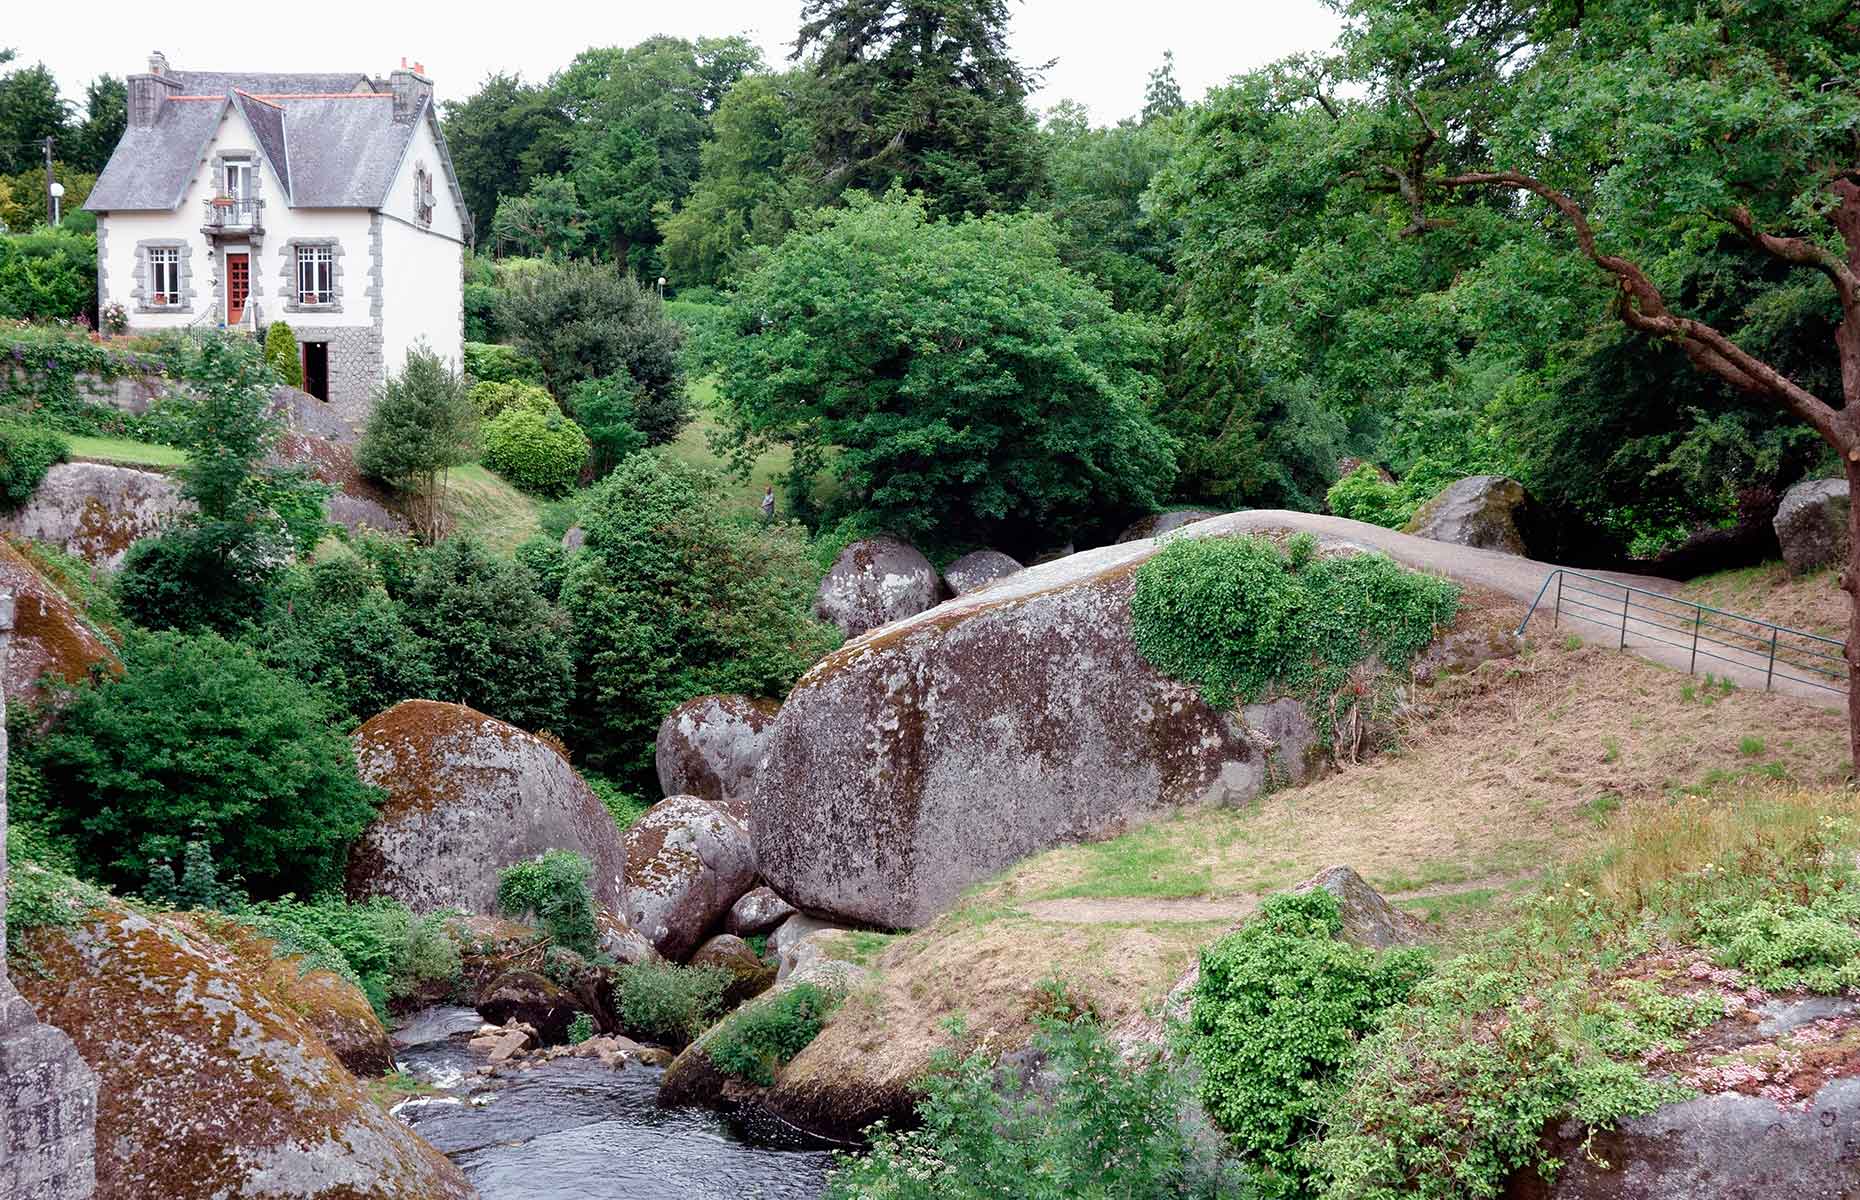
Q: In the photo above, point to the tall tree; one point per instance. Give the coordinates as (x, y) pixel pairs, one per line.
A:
(501, 138)
(922, 93)
(1162, 96)
(30, 111)
(106, 115)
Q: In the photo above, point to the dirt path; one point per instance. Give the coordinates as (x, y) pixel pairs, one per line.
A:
(1227, 909)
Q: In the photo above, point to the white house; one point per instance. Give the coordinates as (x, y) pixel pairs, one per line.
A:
(326, 201)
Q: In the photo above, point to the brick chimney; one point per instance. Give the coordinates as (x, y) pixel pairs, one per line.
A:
(411, 89)
(146, 92)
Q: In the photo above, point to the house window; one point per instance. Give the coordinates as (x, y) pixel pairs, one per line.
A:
(238, 181)
(316, 275)
(423, 196)
(164, 275)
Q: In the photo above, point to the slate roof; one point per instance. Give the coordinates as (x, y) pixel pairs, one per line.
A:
(268, 83)
(334, 149)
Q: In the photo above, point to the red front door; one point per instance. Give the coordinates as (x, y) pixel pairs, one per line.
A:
(238, 286)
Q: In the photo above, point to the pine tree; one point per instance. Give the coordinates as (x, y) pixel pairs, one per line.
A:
(423, 425)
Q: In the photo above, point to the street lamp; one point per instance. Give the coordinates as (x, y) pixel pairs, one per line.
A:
(661, 289)
(58, 193)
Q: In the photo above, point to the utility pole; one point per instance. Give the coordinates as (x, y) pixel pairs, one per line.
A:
(51, 204)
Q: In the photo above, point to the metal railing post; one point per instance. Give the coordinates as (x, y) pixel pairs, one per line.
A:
(1698, 615)
(1771, 677)
(1626, 597)
(1556, 621)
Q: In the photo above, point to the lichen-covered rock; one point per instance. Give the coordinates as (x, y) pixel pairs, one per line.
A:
(574, 539)
(976, 569)
(1157, 524)
(50, 636)
(621, 942)
(1473, 640)
(1811, 525)
(526, 998)
(467, 796)
(931, 754)
(1488, 512)
(212, 1086)
(749, 975)
(359, 502)
(710, 748)
(758, 911)
(874, 582)
(687, 862)
(97, 511)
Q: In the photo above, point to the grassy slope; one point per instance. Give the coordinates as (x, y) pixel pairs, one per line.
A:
(126, 452)
(1521, 767)
(693, 446)
(482, 504)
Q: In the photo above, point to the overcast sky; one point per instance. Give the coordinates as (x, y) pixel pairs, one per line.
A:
(1105, 50)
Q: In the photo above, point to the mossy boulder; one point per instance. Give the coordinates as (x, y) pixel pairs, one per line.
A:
(710, 747)
(1486, 512)
(467, 796)
(1811, 525)
(874, 582)
(978, 569)
(750, 976)
(97, 511)
(51, 637)
(212, 1085)
(687, 862)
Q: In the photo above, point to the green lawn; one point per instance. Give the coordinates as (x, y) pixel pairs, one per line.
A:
(482, 504)
(126, 452)
(693, 446)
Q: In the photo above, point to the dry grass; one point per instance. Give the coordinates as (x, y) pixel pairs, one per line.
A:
(1812, 602)
(480, 503)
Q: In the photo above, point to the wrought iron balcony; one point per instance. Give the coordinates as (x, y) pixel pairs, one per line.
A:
(230, 214)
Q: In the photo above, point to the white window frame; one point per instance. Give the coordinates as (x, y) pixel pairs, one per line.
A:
(316, 276)
(238, 178)
(164, 271)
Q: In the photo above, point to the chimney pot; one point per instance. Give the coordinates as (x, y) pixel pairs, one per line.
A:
(158, 63)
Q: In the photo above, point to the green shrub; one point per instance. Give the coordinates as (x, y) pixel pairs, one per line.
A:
(669, 599)
(422, 425)
(607, 410)
(493, 398)
(1278, 1011)
(553, 892)
(666, 1003)
(281, 352)
(198, 577)
(756, 1041)
(580, 1029)
(379, 944)
(1108, 1131)
(487, 362)
(39, 897)
(26, 453)
(547, 561)
(706, 324)
(540, 453)
(1364, 495)
(1235, 617)
(47, 276)
(197, 735)
(330, 625)
(623, 806)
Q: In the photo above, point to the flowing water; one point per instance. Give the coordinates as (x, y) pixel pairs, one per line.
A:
(573, 1128)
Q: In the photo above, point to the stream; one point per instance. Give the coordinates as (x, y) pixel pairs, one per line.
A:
(575, 1128)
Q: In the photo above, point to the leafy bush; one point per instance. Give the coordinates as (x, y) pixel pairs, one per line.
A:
(422, 425)
(497, 644)
(547, 561)
(553, 892)
(607, 410)
(1278, 1011)
(379, 945)
(1236, 616)
(196, 577)
(580, 1029)
(539, 453)
(1364, 495)
(668, 600)
(581, 320)
(27, 452)
(666, 1003)
(47, 276)
(756, 1041)
(623, 806)
(198, 738)
(707, 329)
(493, 398)
(281, 352)
(487, 362)
(1107, 1131)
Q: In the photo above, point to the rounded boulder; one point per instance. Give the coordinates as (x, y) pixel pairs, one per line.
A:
(50, 636)
(1811, 525)
(687, 862)
(1157, 524)
(749, 975)
(758, 911)
(1486, 512)
(467, 796)
(97, 511)
(874, 582)
(710, 748)
(977, 568)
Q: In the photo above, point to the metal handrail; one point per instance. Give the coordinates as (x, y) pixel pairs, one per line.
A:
(234, 212)
(1764, 653)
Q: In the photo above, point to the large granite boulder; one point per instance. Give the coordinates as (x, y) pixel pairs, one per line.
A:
(1157, 524)
(212, 1085)
(1811, 525)
(1487, 512)
(687, 862)
(467, 796)
(526, 998)
(710, 748)
(758, 911)
(359, 503)
(97, 511)
(910, 764)
(51, 638)
(874, 582)
(976, 569)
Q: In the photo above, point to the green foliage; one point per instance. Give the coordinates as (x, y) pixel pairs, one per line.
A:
(581, 321)
(759, 1039)
(378, 945)
(194, 577)
(1235, 616)
(1278, 1011)
(1786, 943)
(552, 891)
(488, 363)
(39, 897)
(421, 426)
(281, 352)
(496, 644)
(492, 399)
(670, 599)
(540, 453)
(48, 275)
(547, 561)
(1107, 1131)
(48, 361)
(623, 806)
(198, 739)
(1364, 495)
(607, 410)
(580, 1029)
(1098, 181)
(668, 1004)
(954, 378)
(27, 452)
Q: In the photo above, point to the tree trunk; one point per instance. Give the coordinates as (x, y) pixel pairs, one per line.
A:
(1850, 583)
